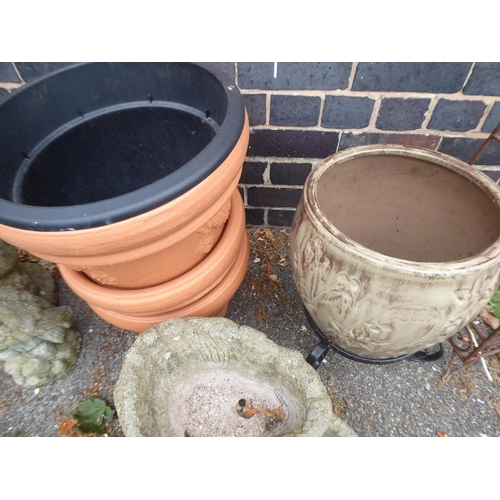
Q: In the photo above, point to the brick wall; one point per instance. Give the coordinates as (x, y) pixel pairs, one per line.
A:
(308, 111)
(300, 113)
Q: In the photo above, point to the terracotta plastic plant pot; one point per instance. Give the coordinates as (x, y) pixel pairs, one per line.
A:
(124, 171)
(214, 304)
(394, 249)
(136, 309)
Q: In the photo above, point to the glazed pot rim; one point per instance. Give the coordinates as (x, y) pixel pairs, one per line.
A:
(325, 226)
(146, 198)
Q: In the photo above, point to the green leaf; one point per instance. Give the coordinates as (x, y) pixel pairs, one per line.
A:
(495, 310)
(495, 304)
(92, 416)
(496, 297)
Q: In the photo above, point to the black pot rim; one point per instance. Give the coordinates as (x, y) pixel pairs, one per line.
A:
(142, 200)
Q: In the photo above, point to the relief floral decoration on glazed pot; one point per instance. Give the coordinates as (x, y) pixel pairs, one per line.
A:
(468, 301)
(315, 284)
(338, 294)
(339, 306)
(377, 334)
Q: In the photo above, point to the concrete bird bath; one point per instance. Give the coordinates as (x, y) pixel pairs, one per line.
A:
(211, 377)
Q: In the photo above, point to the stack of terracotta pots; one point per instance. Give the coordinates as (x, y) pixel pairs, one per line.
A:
(126, 176)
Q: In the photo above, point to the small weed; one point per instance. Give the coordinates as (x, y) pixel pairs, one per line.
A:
(91, 419)
(495, 304)
(495, 308)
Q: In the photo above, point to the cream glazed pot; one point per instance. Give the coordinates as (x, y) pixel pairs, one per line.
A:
(394, 248)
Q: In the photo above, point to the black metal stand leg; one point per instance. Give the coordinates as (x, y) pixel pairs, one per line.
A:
(317, 355)
(424, 356)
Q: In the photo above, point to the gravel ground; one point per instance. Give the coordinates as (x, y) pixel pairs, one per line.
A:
(406, 398)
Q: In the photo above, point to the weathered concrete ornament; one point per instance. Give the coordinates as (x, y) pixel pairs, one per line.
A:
(211, 377)
(36, 339)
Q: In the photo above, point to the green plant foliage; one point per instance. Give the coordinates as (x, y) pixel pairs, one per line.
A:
(495, 304)
(92, 416)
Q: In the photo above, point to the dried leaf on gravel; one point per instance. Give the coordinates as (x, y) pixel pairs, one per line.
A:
(268, 247)
(67, 427)
(340, 406)
(442, 434)
(267, 233)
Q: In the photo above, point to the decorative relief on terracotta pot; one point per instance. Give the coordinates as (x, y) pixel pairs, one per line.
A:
(205, 233)
(99, 276)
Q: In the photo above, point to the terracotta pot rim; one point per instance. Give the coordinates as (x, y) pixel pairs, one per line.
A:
(183, 290)
(111, 210)
(484, 259)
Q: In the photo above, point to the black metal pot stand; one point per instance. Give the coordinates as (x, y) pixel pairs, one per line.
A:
(318, 354)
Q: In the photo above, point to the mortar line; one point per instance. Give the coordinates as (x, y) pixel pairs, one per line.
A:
(9, 86)
(280, 159)
(18, 73)
(429, 112)
(483, 119)
(350, 82)
(321, 109)
(268, 108)
(471, 70)
(474, 134)
(456, 96)
(278, 186)
(244, 187)
(266, 176)
(341, 133)
(375, 111)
